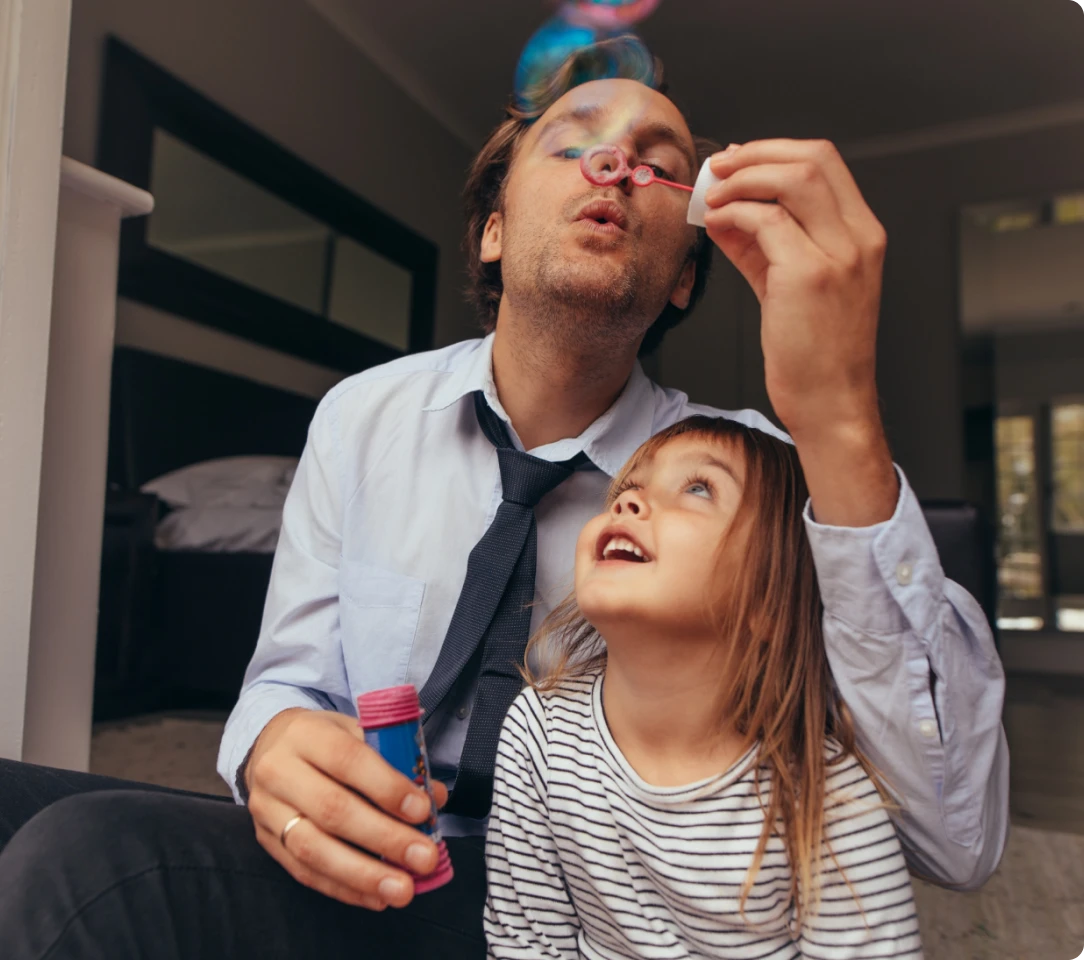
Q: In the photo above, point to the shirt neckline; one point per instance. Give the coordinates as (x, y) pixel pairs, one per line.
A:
(608, 442)
(652, 792)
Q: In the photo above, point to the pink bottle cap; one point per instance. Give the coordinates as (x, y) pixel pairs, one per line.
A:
(438, 877)
(387, 707)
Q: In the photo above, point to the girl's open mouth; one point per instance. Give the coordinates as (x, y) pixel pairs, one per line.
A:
(615, 545)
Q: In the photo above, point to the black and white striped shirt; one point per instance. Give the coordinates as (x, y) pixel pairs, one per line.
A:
(586, 859)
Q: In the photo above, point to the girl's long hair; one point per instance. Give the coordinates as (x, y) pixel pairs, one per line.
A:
(775, 685)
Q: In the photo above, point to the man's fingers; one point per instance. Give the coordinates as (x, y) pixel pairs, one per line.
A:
(778, 239)
(326, 863)
(852, 205)
(340, 812)
(347, 758)
(311, 858)
(440, 793)
(803, 191)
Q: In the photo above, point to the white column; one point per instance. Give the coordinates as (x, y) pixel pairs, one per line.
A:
(64, 623)
(33, 70)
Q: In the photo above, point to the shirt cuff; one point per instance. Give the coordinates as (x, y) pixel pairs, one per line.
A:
(253, 712)
(883, 579)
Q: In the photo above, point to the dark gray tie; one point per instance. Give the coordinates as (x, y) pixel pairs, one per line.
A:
(488, 633)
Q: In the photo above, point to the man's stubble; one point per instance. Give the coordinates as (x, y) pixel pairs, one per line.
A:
(590, 301)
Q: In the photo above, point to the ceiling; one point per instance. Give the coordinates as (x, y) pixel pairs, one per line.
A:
(849, 70)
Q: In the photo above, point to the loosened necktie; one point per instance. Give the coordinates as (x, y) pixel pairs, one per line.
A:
(488, 633)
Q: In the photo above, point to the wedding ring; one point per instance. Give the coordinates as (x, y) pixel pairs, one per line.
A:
(290, 824)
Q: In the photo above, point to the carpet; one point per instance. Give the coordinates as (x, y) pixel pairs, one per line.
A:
(1031, 909)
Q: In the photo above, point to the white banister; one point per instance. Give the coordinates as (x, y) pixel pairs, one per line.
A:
(60, 676)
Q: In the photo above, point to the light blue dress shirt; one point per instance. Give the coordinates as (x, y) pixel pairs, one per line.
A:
(397, 484)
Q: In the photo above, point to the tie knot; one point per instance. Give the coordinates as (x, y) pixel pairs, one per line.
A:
(526, 479)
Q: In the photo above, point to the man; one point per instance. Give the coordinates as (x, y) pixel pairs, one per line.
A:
(377, 573)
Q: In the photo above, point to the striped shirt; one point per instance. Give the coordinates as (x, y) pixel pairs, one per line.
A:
(586, 859)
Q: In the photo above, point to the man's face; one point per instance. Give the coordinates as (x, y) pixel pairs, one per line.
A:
(554, 251)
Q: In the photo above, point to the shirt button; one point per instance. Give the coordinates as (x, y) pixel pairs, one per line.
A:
(903, 574)
(462, 713)
(928, 729)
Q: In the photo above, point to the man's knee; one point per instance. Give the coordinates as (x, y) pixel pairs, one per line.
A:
(118, 831)
(98, 861)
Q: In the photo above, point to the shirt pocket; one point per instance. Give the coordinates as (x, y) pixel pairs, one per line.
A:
(379, 611)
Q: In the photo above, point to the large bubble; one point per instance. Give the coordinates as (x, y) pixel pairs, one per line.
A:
(608, 14)
(577, 25)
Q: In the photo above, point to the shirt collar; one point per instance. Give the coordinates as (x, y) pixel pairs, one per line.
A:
(608, 442)
(474, 372)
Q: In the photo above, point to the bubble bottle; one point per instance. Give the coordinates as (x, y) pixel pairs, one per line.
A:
(391, 719)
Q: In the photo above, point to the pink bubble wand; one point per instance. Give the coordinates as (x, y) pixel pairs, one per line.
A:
(606, 164)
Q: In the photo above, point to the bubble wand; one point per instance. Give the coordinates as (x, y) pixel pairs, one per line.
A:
(606, 164)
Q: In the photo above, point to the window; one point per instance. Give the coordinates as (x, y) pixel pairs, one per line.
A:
(1067, 454)
(1069, 614)
(1019, 544)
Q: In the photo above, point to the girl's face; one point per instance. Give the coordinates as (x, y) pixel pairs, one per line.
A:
(650, 560)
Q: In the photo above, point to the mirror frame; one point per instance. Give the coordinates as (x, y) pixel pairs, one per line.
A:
(139, 97)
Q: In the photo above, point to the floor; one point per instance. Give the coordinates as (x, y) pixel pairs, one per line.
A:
(1044, 721)
(1031, 909)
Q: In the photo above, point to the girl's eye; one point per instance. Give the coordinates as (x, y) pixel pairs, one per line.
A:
(701, 483)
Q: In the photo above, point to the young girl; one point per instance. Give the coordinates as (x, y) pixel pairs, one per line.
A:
(681, 778)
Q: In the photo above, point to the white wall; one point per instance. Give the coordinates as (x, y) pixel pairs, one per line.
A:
(1023, 278)
(1040, 366)
(33, 46)
(279, 66)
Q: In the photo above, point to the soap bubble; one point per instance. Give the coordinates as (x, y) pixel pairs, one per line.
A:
(582, 24)
(608, 14)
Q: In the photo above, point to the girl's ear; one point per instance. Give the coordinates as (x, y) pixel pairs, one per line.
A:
(682, 293)
(491, 238)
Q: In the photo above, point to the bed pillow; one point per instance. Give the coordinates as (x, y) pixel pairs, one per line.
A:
(227, 482)
(220, 530)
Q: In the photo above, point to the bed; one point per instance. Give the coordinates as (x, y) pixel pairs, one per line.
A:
(199, 462)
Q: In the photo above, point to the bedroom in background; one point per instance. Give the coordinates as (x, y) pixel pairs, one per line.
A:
(247, 240)
(284, 254)
(287, 253)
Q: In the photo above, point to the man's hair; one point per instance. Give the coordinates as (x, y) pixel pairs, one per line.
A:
(621, 57)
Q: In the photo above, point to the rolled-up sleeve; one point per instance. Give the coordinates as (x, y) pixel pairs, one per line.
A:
(914, 659)
(297, 662)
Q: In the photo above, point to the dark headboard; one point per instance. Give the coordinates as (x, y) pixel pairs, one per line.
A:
(166, 413)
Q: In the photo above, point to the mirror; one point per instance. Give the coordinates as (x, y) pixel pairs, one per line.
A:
(247, 238)
(211, 216)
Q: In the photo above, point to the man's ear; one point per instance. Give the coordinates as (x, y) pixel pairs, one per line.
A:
(491, 238)
(683, 292)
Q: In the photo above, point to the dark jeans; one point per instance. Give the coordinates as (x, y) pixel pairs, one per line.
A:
(92, 867)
